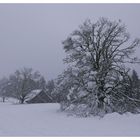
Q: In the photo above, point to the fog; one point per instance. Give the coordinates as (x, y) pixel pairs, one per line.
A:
(31, 35)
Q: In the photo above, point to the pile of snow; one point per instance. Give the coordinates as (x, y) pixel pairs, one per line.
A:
(47, 120)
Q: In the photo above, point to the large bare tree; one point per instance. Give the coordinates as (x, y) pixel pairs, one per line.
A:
(99, 53)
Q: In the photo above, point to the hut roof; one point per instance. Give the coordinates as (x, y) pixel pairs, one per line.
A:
(33, 93)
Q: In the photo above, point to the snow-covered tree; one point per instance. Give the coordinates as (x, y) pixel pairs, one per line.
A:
(50, 85)
(97, 53)
(135, 80)
(22, 82)
(41, 83)
(62, 85)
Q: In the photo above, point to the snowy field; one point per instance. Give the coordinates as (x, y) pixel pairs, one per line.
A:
(47, 120)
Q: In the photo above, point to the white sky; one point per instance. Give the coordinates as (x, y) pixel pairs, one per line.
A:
(31, 34)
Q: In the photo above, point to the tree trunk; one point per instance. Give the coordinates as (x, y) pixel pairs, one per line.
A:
(3, 99)
(101, 95)
(21, 100)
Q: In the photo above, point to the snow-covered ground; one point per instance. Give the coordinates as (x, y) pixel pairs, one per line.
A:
(47, 120)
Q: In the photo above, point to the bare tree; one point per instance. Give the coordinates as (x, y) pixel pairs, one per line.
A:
(98, 52)
(22, 82)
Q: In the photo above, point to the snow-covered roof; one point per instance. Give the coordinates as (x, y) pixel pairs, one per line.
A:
(33, 93)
